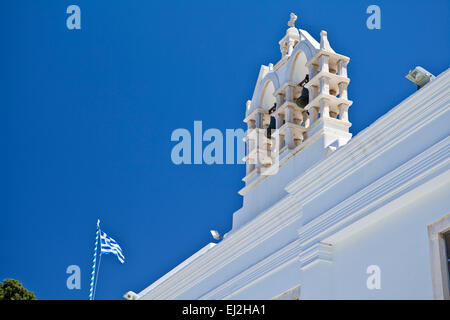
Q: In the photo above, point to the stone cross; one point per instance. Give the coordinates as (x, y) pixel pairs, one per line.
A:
(291, 22)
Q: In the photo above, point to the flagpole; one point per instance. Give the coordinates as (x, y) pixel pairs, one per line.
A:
(91, 291)
(98, 271)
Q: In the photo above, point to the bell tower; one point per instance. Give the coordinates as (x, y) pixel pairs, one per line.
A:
(298, 113)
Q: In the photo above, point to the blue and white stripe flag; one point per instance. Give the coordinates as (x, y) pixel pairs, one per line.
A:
(109, 245)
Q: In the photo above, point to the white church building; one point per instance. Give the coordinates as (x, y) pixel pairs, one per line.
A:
(363, 217)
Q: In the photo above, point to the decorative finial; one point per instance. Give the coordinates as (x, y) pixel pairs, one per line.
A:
(324, 44)
(291, 22)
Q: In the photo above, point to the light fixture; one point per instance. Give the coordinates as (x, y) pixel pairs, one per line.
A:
(216, 235)
(419, 76)
(130, 295)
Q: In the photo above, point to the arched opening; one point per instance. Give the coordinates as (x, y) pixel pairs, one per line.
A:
(299, 69)
(267, 98)
(268, 102)
(299, 75)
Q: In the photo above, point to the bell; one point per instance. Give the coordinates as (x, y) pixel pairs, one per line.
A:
(303, 100)
(272, 126)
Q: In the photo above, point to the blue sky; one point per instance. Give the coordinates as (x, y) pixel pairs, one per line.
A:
(86, 118)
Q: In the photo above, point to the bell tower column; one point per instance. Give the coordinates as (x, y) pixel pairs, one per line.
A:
(328, 100)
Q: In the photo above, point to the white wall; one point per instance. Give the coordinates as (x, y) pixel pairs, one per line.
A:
(398, 244)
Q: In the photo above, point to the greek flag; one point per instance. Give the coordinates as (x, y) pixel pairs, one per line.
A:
(109, 245)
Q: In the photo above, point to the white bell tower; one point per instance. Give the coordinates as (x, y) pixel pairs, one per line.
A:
(298, 115)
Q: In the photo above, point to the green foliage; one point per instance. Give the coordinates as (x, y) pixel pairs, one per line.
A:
(12, 289)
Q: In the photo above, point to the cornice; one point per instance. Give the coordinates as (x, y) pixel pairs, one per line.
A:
(336, 56)
(426, 165)
(409, 116)
(291, 294)
(318, 252)
(254, 112)
(261, 228)
(257, 272)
